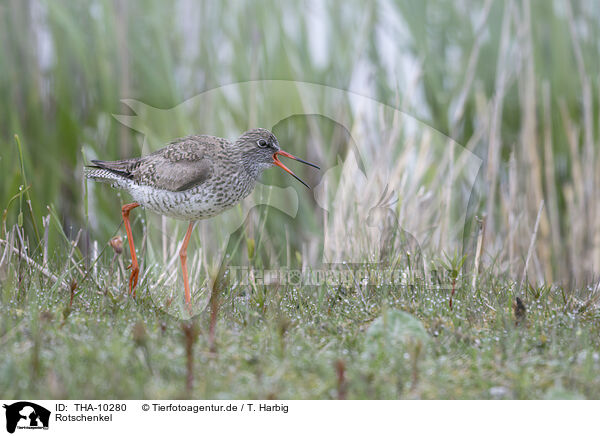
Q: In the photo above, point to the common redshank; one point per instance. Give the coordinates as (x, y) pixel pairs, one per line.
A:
(191, 178)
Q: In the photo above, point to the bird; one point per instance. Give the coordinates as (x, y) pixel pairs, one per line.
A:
(191, 178)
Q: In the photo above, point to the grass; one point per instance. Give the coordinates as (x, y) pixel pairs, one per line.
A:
(80, 335)
(283, 342)
(448, 84)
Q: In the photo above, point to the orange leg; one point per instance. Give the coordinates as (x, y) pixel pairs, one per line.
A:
(135, 269)
(183, 257)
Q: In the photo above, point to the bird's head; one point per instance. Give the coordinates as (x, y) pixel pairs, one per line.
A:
(260, 150)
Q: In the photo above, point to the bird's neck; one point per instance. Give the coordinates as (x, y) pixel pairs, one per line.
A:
(252, 170)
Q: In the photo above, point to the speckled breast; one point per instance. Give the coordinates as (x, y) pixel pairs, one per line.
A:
(197, 203)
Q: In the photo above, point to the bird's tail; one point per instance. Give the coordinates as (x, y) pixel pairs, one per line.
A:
(110, 171)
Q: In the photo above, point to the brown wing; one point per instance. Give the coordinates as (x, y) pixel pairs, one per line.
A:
(179, 166)
(172, 175)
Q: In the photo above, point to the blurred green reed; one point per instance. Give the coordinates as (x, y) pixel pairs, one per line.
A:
(509, 80)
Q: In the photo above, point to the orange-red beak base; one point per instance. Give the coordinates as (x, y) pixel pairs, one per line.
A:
(277, 162)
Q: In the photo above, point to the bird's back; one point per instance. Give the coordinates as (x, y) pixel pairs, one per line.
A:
(176, 167)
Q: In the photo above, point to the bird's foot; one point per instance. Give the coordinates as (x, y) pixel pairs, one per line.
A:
(133, 278)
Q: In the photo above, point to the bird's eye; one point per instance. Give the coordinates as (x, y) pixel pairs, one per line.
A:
(262, 143)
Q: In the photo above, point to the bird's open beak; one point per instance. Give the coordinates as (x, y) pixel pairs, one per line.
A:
(277, 162)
